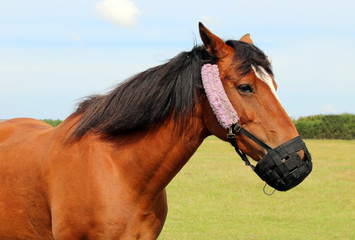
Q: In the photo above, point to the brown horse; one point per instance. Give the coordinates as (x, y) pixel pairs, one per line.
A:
(102, 173)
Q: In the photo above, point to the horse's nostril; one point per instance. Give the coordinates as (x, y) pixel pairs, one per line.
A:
(301, 154)
(285, 159)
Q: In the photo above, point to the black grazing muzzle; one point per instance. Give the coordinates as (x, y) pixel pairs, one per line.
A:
(281, 168)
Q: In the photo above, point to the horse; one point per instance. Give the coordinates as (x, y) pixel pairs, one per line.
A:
(102, 173)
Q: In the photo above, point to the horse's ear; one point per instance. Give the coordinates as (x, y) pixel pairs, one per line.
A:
(246, 38)
(215, 46)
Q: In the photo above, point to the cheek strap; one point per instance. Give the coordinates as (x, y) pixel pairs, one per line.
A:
(237, 128)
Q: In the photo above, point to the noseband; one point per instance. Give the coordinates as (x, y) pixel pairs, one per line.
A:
(281, 168)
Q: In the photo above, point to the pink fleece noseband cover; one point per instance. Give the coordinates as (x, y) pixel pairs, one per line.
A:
(217, 97)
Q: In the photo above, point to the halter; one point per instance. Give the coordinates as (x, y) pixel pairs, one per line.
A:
(232, 139)
(281, 167)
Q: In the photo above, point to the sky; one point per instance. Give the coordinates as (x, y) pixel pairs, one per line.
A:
(55, 52)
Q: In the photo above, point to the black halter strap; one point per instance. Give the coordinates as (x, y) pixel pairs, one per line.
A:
(232, 139)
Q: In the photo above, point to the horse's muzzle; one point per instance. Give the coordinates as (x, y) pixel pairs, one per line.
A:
(282, 167)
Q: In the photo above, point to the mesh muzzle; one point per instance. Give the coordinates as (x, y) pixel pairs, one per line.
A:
(282, 168)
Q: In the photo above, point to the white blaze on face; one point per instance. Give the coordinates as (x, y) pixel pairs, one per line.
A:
(265, 77)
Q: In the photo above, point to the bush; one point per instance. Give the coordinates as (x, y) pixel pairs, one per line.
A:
(51, 122)
(327, 126)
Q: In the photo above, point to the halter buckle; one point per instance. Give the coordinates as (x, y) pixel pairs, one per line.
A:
(230, 134)
(237, 127)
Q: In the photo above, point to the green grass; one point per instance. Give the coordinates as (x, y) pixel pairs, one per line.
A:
(216, 196)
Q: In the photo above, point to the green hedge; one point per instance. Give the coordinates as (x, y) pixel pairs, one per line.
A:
(51, 122)
(327, 126)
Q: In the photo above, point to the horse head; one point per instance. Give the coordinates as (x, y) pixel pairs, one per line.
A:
(253, 105)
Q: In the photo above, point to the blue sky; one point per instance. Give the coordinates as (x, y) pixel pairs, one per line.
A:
(52, 53)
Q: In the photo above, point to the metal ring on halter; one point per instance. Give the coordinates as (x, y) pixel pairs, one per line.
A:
(268, 194)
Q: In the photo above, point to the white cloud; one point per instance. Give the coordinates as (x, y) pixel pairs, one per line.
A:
(122, 13)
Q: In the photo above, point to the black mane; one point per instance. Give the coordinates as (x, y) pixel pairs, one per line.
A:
(148, 98)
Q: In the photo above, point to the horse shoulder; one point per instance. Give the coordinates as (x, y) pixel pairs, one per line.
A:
(89, 196)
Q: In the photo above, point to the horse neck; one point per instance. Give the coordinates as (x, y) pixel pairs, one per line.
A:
(152, 159)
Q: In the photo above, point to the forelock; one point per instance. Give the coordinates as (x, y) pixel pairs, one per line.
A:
(248, 55)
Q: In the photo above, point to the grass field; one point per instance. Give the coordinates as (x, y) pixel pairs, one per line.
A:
(216, 196)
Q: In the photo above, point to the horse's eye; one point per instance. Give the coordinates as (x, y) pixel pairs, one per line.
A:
(245, 88)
